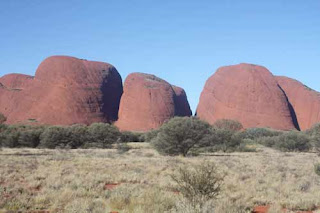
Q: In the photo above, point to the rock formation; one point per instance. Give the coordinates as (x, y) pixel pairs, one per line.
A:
(65, 90)
(305, 101)
(148, 101)
(246, 93)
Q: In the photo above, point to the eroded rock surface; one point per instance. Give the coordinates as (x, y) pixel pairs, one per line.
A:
(246, 93)
(305, 101)
(148, 101)
(65, 90)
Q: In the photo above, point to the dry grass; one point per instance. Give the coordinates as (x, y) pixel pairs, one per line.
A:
(77, 180)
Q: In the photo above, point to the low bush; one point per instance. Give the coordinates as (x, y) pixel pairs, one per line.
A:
(314, 134)
(293, 141)
(56, 137)
(256, 133)
(97, 135)
(10, 137)
(20, 135)
(102, 135)
(180, 134)
(198, 184)
(30, 137)
(149, 136)
(228, 124)
(268, 141)
(226, 140)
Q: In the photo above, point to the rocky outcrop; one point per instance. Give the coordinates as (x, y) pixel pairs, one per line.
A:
(148, 101)
(305, 101)
(65, 90)
(246, 93)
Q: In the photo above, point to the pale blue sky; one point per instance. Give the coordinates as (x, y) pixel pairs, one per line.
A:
(181, 41)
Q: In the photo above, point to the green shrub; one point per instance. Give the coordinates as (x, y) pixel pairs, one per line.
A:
(149, 136)
(225, 140)
(293, 142)
(228, 124)
(10, 135)
(198, 184)
(256, 133)
(30, 137)
(180, 134)
(56, 136)
(79, 135)
(314, 134)
(268, 141)
(102, 135)
(3, 127)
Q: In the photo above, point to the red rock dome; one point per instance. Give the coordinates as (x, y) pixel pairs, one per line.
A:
(147, 102)
(305, 101)
(246, 93)
(65, 90)
(16, 81)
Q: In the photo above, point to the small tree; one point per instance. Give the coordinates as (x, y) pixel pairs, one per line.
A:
(180, 134)
(198, 184)
(2, 118)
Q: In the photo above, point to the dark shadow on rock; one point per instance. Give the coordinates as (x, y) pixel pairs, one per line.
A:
(292, 111)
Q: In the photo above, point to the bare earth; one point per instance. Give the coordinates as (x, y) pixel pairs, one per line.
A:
(139, 180)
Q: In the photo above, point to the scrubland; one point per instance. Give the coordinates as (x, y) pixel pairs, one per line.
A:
(139, 180)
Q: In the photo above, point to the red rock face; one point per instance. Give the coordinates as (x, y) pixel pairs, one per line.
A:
(305, 101)
(148, 101)
(182, 107)
(17, 81)
(65, 90)
(246, 93)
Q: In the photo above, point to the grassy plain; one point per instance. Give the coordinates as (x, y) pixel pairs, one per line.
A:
(104, 180)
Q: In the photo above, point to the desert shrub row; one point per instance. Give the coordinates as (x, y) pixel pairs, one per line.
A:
(178, 136)
(97, 135)
(185, 136)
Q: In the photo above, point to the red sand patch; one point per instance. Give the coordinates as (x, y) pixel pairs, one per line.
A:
(264, 209)
(261, 209)
(110, 186)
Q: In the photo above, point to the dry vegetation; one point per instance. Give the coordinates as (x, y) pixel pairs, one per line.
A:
(105, 180)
